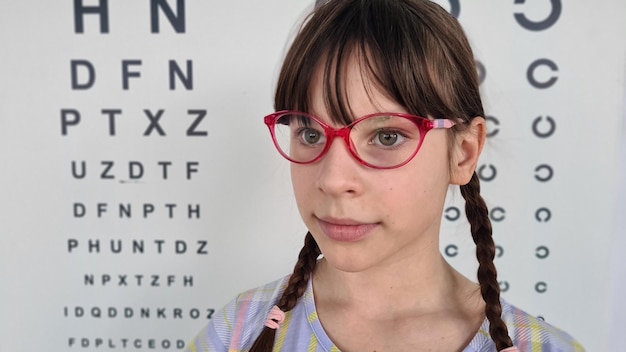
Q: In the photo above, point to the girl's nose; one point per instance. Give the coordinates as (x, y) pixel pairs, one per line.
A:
(339, 171)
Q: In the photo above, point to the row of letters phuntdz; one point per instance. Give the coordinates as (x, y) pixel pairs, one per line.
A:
(137, 247)
(137, 313)
(125, 343)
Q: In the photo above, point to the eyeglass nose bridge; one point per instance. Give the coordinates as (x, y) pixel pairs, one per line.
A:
(341, 133)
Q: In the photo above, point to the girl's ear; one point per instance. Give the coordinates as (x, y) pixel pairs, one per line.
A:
(468, 145)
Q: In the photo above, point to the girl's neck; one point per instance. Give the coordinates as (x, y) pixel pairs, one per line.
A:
(438, 310)
(417, 285)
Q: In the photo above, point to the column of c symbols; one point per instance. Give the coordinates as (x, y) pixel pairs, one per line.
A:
(543, 127)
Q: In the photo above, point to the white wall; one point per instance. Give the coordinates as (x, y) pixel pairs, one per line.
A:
(618, 279)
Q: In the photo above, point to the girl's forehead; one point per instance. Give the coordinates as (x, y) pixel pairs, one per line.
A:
(353, 86)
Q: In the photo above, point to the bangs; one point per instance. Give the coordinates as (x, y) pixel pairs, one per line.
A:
(333, 39)
(333, 68)
(399, 50)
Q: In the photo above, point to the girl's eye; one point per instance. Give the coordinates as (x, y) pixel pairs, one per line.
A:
(311, 136)
(388, 138)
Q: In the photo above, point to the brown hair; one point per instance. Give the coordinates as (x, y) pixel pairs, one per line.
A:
(415, 52)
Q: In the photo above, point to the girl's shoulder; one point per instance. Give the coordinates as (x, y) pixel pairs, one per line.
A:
(529, 333)
(240, 321)
(261, 297)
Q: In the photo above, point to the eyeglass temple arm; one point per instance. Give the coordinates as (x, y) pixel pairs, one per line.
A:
(441, 123)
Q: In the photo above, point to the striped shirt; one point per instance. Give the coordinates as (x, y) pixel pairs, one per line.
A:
(237, 325)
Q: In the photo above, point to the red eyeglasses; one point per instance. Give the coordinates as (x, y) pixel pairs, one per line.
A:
(380, 141)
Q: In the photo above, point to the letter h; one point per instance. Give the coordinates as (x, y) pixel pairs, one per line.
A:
(81, 10)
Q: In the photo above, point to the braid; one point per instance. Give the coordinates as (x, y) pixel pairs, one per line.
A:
(295, 289)
(477, 215)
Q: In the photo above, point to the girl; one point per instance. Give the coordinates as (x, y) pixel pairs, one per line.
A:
(378, 111)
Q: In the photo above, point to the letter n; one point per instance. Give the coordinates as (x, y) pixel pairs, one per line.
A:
(176, 20)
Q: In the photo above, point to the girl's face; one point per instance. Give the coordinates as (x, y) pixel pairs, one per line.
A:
(362, 217)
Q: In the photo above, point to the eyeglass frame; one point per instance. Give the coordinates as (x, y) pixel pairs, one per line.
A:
(423, 124)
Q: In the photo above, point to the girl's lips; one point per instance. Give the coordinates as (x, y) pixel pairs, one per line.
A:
(345, 230)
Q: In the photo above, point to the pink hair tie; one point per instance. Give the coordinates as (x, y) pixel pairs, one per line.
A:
(510, 349)
(274, 318)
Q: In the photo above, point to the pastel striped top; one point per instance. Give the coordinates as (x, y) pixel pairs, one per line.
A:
(236, 326)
